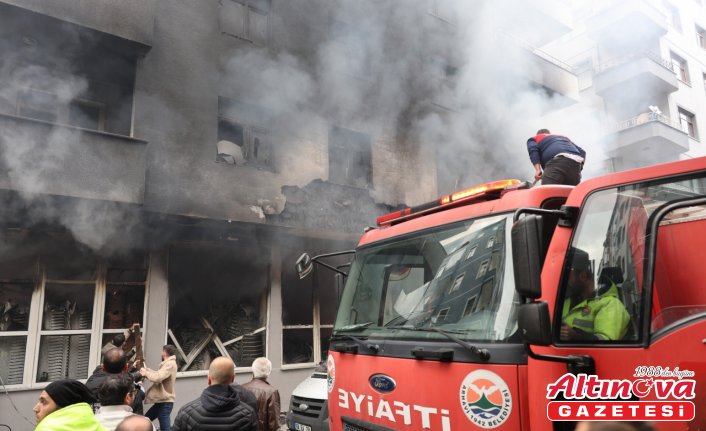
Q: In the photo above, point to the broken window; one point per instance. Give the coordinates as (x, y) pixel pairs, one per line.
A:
(308, 312)
(350, 158)
(15, 301)
(87, 114)
(65, 284)
(242, 139)
(246, 19)
(348, 49)
(217, 303)
(125, 294)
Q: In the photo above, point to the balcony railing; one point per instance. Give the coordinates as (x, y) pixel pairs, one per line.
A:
(508, 36)
(633, 57)
(647, 117)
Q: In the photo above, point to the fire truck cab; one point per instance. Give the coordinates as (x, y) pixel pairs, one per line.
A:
(454, 314)
(643, 232)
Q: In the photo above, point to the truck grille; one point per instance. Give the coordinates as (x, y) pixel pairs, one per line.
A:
(351, 424)
(351, 427)
(309, 407)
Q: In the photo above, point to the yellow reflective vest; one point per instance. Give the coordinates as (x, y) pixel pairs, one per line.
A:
(604, 316)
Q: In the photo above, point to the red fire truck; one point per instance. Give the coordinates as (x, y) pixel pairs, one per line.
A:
(453, 313)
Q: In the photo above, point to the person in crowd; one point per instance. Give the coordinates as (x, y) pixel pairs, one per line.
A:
(161, 394)
(64, 405)
(135, 423)
(116, 395)
(221, 404)
(555, 158)
(589, 314)
(115, 362)
(268, 403)
(118, 340)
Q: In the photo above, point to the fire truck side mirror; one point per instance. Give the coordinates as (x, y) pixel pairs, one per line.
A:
(304, 265)
(527, 252)
(535, 324)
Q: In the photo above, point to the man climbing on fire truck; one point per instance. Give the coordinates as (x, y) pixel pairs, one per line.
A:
(556, 159)
(589, 314)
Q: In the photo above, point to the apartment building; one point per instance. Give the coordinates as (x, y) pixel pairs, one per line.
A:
(641, 68)
(166, 163)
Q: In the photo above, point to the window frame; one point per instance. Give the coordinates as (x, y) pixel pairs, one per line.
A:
(35, 332)
(91, 103)
(316, 326)
(250, 133)
(680, 67)
(170, 338)
(691, 124)
(248, 7)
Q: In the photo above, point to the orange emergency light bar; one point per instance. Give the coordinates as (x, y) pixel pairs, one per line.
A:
(482, 190)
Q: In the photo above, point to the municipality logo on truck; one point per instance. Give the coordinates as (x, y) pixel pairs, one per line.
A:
(485, 399)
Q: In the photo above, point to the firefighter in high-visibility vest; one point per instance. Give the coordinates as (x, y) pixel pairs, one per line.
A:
(587, 314)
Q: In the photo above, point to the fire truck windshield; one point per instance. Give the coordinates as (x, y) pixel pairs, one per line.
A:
(456, 278)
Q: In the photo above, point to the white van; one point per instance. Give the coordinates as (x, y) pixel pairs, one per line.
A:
(308, 407)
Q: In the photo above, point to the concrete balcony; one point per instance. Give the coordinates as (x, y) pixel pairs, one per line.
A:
(642, 75)
(558, 80)
(132, 20)
(553, 17)
(544, 72)
(628, 24)
(647, 139)
(46, 158)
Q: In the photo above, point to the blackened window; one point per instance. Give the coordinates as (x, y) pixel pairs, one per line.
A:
(87, 114)
(217, 303)
(246, 19)
(350, 158)
(308, 311)
(242, 137)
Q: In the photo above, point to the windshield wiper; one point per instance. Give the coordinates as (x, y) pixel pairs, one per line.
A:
(347, 348)
(353, 327)
(483, 354)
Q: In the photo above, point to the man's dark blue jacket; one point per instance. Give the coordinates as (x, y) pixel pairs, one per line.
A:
(544, 147)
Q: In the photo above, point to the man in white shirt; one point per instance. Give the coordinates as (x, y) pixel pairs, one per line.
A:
(115, 396)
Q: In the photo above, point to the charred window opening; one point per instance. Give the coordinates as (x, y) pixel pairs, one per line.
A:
(348, 49)
(217, 303)
(87, 114)
(49, 282)
(242, 137)
(350, 158)
(246, 19)
(52, 73)
(308, 312)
